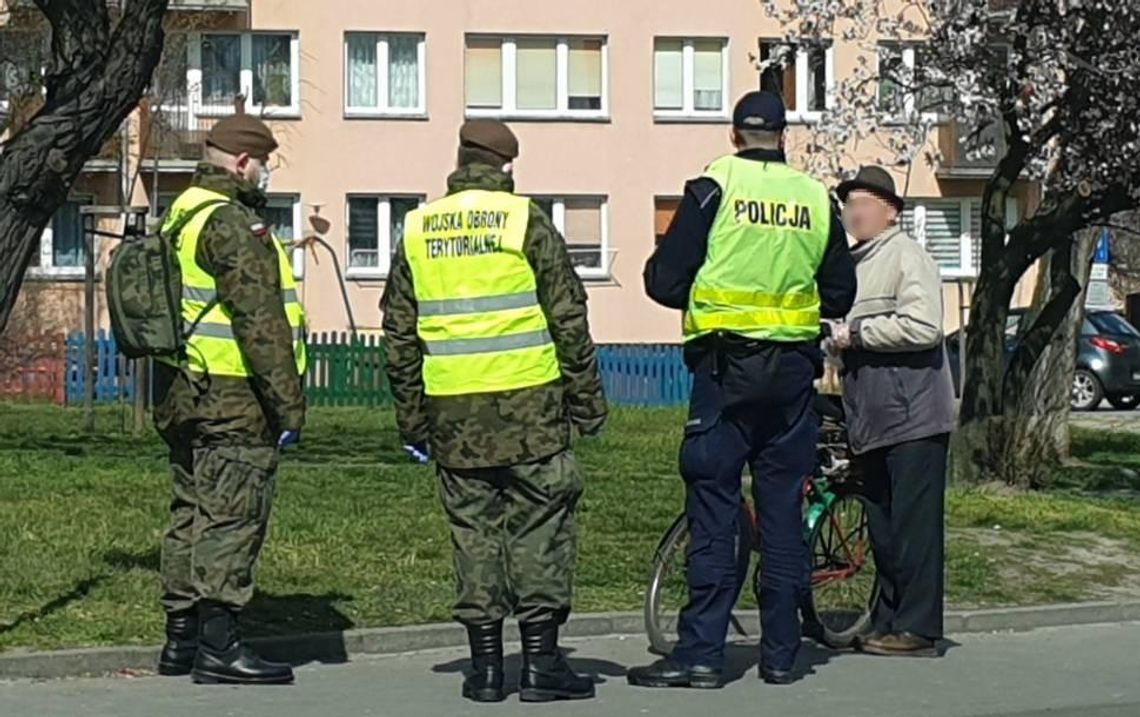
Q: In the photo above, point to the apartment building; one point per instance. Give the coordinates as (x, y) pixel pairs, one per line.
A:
(615, 105)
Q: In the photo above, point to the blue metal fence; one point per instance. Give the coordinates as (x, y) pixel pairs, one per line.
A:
(633, 374)
(114, 378)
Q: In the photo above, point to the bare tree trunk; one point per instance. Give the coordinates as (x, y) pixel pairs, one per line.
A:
(1015, 413)
(1038, 434)
(97, 74)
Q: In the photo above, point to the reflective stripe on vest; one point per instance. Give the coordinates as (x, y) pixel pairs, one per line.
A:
(482, 328)
(211, 346)
(764, 249)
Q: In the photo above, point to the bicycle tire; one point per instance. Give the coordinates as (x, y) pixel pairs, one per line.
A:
(842, 628)
(660, 620)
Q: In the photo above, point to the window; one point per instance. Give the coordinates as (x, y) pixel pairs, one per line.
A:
(283, 216)
(690, 79)
(262, 67)
(384, 74)
(583, 223)
(951, 231)
(63, 246)
(803, 75)
(531, 76)
(375, 230)
(663, 210)
(903, 89)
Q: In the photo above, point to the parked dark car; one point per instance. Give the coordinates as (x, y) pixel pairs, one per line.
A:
(1108, 360)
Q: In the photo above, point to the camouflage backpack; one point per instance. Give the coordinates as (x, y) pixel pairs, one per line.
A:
(144, 292)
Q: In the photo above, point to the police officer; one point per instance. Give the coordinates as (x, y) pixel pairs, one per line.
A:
(491, 364)
(228, 410)
(755, 256)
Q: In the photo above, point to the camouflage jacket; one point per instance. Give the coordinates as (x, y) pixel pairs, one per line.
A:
(235, 248)
(511, 427)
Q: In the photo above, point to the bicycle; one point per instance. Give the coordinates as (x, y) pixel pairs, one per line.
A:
(844, 586)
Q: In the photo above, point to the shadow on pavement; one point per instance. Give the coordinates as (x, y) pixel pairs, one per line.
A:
(276, 620)
(598, 669)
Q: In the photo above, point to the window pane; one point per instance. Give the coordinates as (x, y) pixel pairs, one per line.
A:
(891, 68)
(400, 207)
(403, 72)
(708, 75)
(941, 229)
(221, 68)
(780, 77)
(537, 87)
(278, 215)
(668, 75)
(484, 73)
(663, 211)
(362, 71)
(272, 70)
(363, 232)
(67, 245)
(817, 79)
(585, 74)
(584, 232)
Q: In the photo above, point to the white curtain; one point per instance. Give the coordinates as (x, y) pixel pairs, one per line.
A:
(668, 71)
(403, 72)
(362, 80)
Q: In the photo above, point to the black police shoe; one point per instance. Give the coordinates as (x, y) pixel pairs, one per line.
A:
(223, 659)
(181, 645)
(485, 681)
(546, 676)
(670, 673)
(777, 677)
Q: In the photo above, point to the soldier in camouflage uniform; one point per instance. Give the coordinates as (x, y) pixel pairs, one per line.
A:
(224, 432)
(508, 479)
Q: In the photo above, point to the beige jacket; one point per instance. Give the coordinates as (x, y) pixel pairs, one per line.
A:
(897, 385)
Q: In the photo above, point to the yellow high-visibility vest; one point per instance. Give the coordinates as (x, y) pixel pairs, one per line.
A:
(764, 249)
(479, 320)
(211, 347)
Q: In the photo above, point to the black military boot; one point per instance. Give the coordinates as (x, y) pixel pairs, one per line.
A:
(546, 676)
(224, 659)
(181, 643)
(485, 682)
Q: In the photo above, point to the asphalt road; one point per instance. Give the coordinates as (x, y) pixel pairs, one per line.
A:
(1091, 671)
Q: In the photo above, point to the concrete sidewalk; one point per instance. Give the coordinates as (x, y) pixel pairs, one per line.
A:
(1089, 671)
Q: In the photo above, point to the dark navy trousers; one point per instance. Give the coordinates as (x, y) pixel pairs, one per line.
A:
(774, 434)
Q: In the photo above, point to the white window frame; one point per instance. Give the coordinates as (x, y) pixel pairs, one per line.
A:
(558, 217)
(296, 254)
(509, 110)
(966, 268)
(688, 111)
(44, 268)
(801, 55)
(245, 75)
(382, 69)
(383, 232)
(909, 59)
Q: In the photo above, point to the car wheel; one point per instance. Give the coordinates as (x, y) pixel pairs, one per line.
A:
(1087, 391)
(1124, 403)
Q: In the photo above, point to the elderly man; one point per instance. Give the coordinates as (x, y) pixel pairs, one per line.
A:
(900, 411)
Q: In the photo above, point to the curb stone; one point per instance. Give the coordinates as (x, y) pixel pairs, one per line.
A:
(339, 647)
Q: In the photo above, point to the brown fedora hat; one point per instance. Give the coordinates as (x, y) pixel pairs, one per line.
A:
(875, 180)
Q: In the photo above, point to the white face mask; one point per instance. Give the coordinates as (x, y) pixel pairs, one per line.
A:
(263, 179)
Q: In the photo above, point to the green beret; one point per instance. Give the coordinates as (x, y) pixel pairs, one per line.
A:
(240, 134)
(491, 135)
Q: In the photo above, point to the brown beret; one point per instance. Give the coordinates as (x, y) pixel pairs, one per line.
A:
(491, 135)
(239, 134)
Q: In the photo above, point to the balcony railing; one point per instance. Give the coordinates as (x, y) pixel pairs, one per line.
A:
(968, 156)
(169, 133)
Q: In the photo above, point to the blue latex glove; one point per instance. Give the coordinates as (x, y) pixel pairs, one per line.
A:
(418, 452)
(289, 438)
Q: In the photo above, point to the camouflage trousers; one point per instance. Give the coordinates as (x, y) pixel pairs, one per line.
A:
(514, 537)
(219, 516)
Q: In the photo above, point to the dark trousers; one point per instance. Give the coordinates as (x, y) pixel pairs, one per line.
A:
(775, 435)
(906, 484)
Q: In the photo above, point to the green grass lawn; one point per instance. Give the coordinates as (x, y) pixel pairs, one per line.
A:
(358, 538)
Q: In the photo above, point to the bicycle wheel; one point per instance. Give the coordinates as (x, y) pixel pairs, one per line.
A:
(668, 590)
(844, 584)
